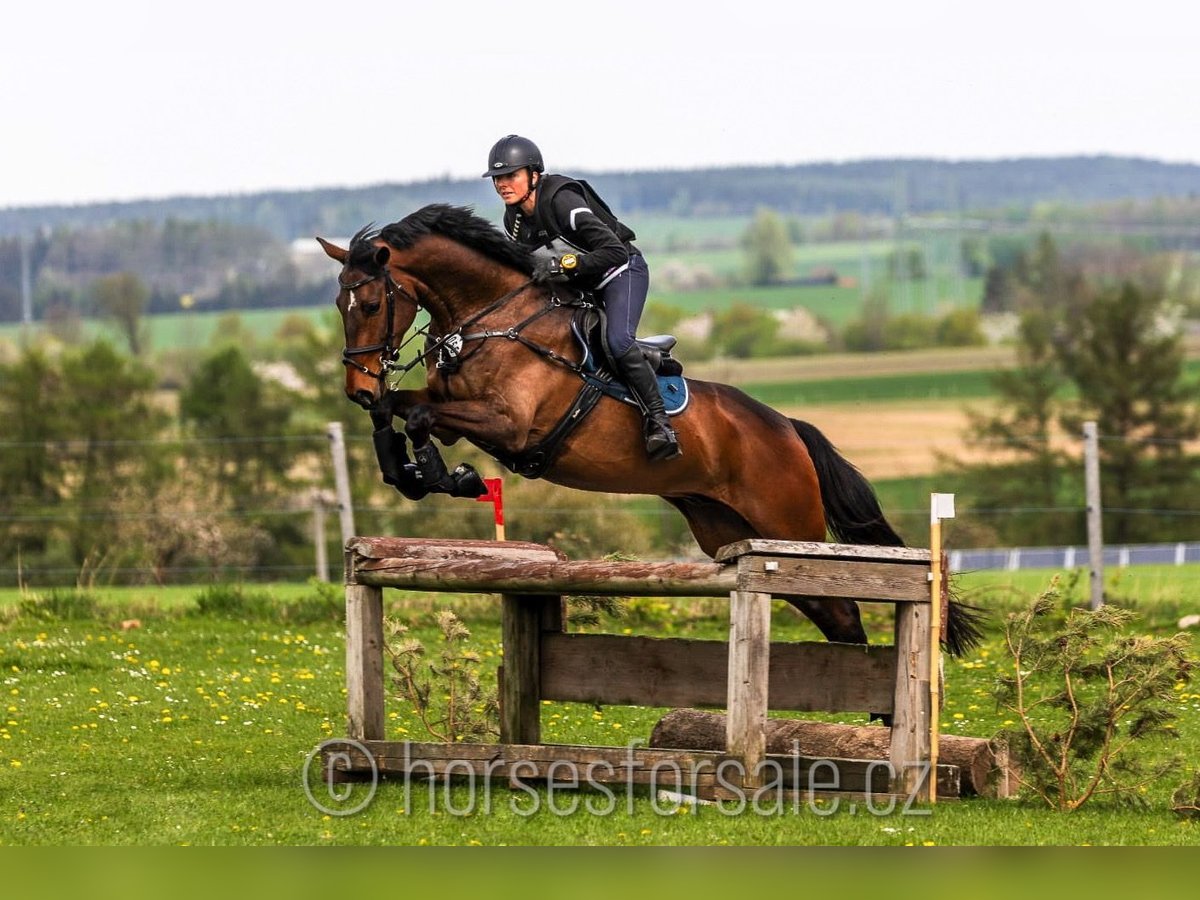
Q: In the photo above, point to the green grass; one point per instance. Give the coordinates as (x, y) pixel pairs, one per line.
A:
(195, 730)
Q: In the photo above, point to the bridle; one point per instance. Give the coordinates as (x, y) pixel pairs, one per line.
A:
(388, 355)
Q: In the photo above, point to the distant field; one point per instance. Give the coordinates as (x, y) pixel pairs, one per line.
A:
(915, 386)
(195, 330)
(837, 305)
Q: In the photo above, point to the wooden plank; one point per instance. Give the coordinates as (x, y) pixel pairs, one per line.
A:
(646, 579)
(423, 548)
(749, 655)
(364, 662)
(621, 670)
(835, 578)
(817, 549)
(520, 688)
(666, 768)
(911, 710)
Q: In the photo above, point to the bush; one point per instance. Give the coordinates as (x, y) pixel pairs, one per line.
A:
(68, 604)
(233, 601)
(1087, 696)
(325, 603)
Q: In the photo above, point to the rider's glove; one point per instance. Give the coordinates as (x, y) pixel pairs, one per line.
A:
(549, 270)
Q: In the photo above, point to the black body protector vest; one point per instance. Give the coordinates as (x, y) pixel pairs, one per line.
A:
(542, 233)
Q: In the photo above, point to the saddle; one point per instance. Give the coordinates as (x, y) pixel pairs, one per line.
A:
(597, 368)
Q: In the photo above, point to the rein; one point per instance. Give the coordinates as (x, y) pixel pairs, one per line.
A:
(453, 341)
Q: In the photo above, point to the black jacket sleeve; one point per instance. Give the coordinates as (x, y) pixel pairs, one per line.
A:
(580, 226)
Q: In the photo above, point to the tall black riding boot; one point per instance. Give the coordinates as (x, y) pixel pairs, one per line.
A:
(661, 440)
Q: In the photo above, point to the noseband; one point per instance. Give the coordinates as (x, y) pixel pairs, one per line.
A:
(388, 354)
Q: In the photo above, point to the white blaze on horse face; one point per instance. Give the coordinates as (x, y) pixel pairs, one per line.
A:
(353, 302)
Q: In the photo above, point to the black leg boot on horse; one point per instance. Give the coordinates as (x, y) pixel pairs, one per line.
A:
(661, 440)
(431, 470)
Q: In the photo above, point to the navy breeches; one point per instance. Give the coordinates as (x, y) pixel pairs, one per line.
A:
(624, 298)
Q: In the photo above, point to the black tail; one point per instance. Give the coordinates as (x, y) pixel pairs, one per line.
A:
(853, 516)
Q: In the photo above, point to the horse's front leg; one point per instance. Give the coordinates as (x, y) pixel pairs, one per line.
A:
(391, 452)
(472, 419)
(450, 420)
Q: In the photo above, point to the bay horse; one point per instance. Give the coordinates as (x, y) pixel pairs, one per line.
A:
(503, 373)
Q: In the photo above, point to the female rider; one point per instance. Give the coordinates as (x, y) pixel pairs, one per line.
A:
(583, 243)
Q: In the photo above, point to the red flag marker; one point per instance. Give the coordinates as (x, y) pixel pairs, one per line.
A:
(495, 496)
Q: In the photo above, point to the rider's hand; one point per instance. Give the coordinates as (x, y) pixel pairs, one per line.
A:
(548, 270)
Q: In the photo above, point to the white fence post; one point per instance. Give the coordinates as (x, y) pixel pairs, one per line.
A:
(1091, 472)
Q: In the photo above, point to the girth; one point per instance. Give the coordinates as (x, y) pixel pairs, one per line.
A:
(536, 460)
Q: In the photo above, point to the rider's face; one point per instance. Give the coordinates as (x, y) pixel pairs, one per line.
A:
(513, 186)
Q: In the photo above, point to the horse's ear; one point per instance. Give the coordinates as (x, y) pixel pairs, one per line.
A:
(333, 251)
(381, 256)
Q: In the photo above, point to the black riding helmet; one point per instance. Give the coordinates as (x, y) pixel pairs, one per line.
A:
(513, 152)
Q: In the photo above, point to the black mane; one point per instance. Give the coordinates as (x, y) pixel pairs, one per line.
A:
(459, 223)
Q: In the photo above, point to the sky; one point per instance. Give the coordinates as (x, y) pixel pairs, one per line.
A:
(129, 99)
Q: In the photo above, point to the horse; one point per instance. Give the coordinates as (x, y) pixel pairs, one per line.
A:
(503, 372)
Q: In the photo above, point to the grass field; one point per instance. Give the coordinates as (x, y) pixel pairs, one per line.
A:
(194, 729)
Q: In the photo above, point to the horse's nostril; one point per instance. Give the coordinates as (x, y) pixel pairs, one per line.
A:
(365, 399)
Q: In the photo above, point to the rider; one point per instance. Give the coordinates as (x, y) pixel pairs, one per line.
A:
(582, 242)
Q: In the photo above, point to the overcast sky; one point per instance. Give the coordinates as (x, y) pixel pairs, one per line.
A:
(128, 99)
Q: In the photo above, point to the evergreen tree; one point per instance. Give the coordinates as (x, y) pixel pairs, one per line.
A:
(32, 476)
(244, 416)
(113, 420)
(1128, 367)
(1088, 350)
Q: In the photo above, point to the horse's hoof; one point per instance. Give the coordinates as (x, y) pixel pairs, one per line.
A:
(467, 482)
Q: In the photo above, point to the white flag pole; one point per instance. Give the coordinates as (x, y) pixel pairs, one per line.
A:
(941, 506)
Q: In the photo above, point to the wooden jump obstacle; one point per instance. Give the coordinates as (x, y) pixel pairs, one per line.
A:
(746, 675)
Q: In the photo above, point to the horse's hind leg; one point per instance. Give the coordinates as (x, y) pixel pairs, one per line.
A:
(714, 525)
(838, 620)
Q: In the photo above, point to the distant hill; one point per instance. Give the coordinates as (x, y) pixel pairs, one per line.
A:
(873, 186)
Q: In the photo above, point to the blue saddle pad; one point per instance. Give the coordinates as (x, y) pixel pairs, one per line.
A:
(673, 388)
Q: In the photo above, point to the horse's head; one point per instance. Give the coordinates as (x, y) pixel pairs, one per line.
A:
(376, 312)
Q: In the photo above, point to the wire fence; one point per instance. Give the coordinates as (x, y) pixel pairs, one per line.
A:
(311, 500)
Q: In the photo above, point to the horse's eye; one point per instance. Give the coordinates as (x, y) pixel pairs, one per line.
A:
(369, 309)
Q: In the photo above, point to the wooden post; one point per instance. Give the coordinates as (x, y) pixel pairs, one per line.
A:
(520, 688)
(911, 715)
(341, 478)
(1095, 533)
(749, 658)
(364, 662)
(321, 552)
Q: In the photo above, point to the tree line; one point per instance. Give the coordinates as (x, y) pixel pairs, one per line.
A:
(884, 186)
